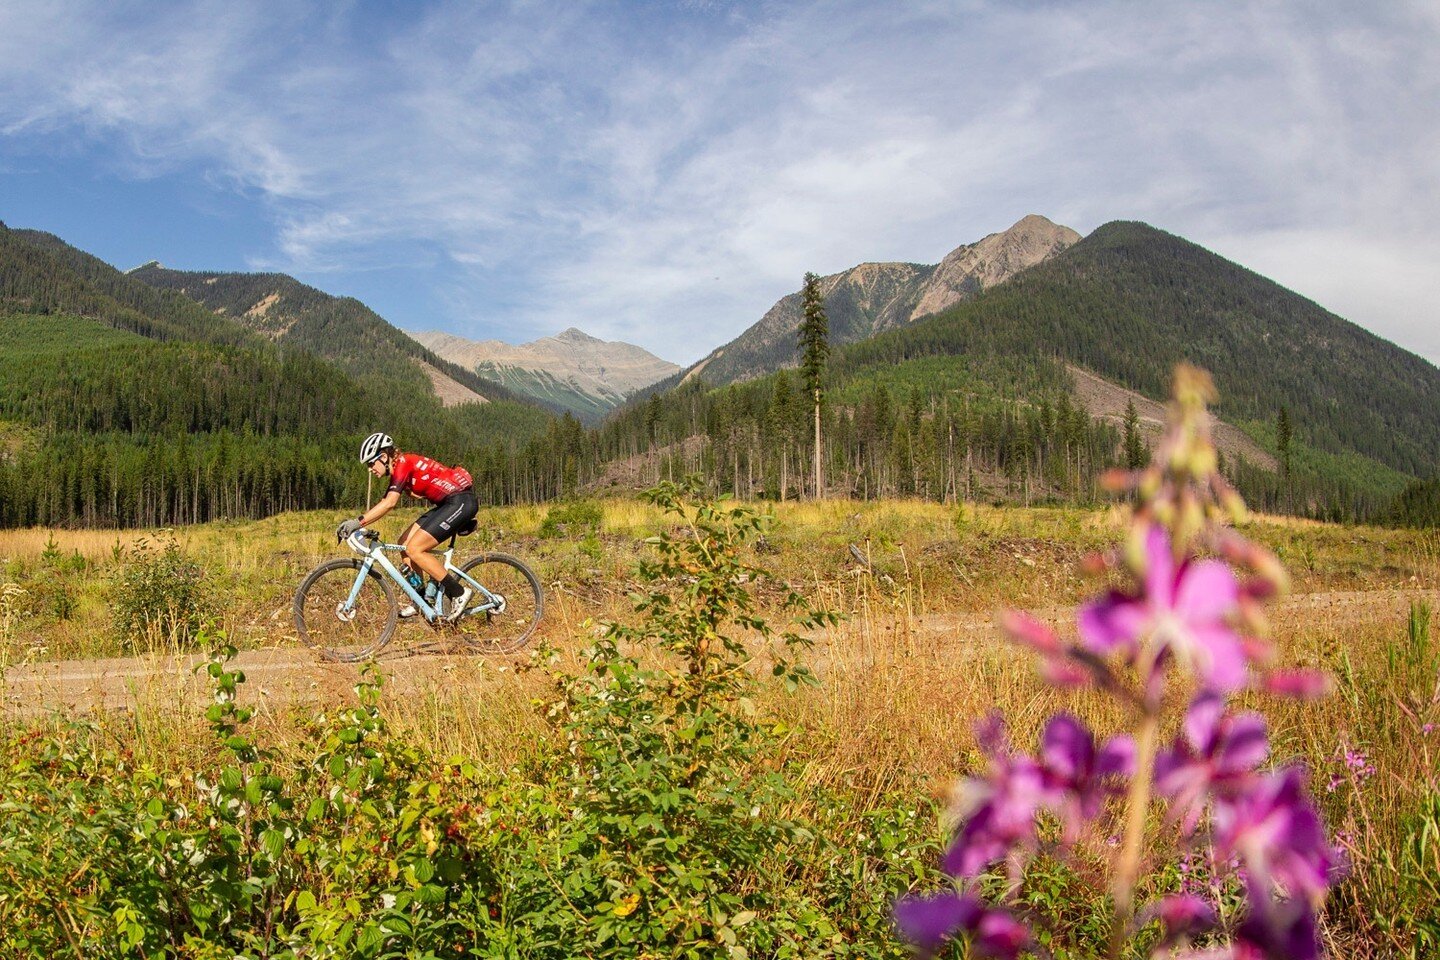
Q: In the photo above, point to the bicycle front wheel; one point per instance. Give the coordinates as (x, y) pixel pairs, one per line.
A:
(510, 623)
(325, 623)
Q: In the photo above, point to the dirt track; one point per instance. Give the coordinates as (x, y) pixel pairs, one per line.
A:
(295, 674)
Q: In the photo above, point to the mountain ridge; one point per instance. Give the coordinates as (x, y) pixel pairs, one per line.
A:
(125, 404)
(873, 297)
(1130, 301)
(283, 310)
(572, 369)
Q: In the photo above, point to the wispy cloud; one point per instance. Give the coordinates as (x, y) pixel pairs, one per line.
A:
(663, 173)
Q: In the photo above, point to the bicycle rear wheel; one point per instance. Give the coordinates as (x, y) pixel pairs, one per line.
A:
(340, 634)
(510, 627)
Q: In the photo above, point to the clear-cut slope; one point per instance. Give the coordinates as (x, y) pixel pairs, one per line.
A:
(571, 370)
(340, 329)
(875, 297)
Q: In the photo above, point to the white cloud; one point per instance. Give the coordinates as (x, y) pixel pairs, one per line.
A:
(664, 174)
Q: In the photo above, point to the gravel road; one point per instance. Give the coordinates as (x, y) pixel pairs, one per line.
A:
(290, 674)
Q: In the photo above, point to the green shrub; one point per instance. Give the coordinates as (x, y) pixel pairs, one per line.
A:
(159, 595)
(573, 518)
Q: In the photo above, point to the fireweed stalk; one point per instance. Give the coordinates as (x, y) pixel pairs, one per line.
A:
(1187, 633)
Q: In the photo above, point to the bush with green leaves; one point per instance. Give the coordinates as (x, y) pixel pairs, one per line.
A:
(576, 520)
(674, 836)
(159, 595)
(572, 518)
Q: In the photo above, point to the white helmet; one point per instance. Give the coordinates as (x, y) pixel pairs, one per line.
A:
(374, 445)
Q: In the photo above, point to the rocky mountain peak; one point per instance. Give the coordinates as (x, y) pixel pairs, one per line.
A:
(576, 335)
(968, 269)
(871, 298)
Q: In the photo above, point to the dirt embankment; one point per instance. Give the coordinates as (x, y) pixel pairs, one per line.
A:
(1108, 401)
(451, 392)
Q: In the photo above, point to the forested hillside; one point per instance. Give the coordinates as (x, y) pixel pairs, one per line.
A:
(39, 273)
(103, 427)
(123, 404)
(1130, 301)
(132, 405)
(294, 315)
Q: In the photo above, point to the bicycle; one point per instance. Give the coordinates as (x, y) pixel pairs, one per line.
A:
(346, 608)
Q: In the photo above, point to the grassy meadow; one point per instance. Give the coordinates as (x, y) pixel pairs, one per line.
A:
(870, 751)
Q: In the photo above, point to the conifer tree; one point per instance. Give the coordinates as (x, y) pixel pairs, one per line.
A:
(1282, 445)
(1136, 455)
(781, 399)
(814, 350)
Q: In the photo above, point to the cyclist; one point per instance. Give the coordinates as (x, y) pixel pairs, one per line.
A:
(449, 489)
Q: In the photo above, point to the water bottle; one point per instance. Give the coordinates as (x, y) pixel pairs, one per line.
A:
(416, 580)
(431, 589)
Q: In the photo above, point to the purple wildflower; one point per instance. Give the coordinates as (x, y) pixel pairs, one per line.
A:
(1278, 836)
(1072, 778)
(1188, 866)
(929, 921)
(1300, 684)
(1263, 831)
(1078, 777)
(1217, 753)
(1181, 916)
(1183, 607)
(1283, 930)
(999, 935)
(1359, 765)
(999, 812)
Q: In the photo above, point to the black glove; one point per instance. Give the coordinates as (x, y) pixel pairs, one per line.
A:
(346, 529)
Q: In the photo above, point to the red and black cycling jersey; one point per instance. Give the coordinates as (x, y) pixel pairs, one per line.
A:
(422, 477)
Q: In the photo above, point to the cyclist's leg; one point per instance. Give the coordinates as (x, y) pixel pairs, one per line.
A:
(418, 543)
(451, 514)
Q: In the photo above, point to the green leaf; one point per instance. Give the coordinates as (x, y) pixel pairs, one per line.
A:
(273, 842)
(370, 937)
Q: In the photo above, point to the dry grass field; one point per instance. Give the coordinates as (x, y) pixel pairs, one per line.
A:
(914, 662)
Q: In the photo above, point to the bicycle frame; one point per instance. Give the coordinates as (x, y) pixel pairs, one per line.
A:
(375, 556)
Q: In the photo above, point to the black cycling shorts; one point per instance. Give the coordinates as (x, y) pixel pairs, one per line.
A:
(455, 511)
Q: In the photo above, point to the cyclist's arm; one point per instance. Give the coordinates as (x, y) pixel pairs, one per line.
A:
(386, 504)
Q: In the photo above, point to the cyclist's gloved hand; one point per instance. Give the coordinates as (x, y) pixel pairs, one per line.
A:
(346, 529)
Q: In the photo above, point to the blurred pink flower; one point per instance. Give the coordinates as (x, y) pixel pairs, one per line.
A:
(1278, 837)
(1183, 608)
(1217, 754)
(929, 921)
(998, 809)
(1078, 776)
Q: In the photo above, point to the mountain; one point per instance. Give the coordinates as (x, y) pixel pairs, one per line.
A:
(572, 370)
(875, 297)
(1018, 392)
(123, 404)
(1130, 301)
(40, 273)
(341, 329)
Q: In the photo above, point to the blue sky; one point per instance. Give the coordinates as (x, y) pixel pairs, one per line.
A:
(662, 172)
